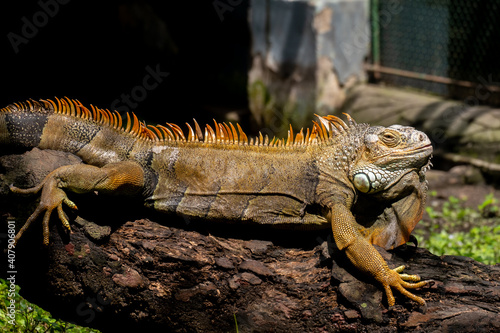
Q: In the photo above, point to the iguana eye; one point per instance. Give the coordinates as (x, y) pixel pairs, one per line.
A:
(390, 138)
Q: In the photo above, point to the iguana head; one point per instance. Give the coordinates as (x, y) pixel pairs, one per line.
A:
(389, 154)
(391, 170)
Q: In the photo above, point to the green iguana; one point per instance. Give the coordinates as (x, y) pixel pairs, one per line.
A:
(367, 183)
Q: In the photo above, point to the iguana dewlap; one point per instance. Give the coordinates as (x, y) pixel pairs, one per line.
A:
(367, 183)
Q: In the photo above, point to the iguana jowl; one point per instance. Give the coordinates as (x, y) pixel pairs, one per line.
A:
(367, 183)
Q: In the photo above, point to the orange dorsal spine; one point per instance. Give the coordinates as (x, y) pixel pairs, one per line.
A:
(328, 126)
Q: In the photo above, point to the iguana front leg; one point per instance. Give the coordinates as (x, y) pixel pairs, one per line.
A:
(367, 259)
(123, 177)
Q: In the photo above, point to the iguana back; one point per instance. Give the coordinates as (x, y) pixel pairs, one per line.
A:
(219, 175)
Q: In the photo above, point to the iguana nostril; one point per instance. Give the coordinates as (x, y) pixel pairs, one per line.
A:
(420, 137)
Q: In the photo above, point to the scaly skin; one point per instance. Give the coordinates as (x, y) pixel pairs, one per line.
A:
(366, 183)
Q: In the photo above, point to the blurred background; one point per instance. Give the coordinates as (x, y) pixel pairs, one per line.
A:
(273, 62)
(432, 64)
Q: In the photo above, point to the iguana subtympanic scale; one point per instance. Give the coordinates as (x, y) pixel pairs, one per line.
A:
(314, 178)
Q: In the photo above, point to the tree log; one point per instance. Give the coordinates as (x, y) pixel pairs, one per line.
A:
(123, 267)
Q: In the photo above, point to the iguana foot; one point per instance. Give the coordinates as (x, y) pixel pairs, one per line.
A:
(394, 278)
(367, 259)
(124, 177)
(52, 198)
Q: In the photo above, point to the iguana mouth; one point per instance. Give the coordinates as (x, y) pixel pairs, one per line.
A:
(406, 152)
(418, 152)
(427, 146)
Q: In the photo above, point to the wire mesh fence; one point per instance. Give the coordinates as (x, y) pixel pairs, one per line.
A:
(450, 48)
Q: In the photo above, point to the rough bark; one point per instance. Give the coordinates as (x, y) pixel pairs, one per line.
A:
(124, 268)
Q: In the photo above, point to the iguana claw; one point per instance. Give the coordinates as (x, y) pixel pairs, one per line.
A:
(367, 259)
(52, 198)
(394, 278)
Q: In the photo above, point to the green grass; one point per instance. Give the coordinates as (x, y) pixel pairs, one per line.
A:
(29, 317)
(456, 229)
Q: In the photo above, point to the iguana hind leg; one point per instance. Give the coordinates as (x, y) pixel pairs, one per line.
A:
(123, 177)
(52, 198)
(367, 259)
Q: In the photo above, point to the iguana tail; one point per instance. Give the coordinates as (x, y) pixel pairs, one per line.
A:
(96, 135)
